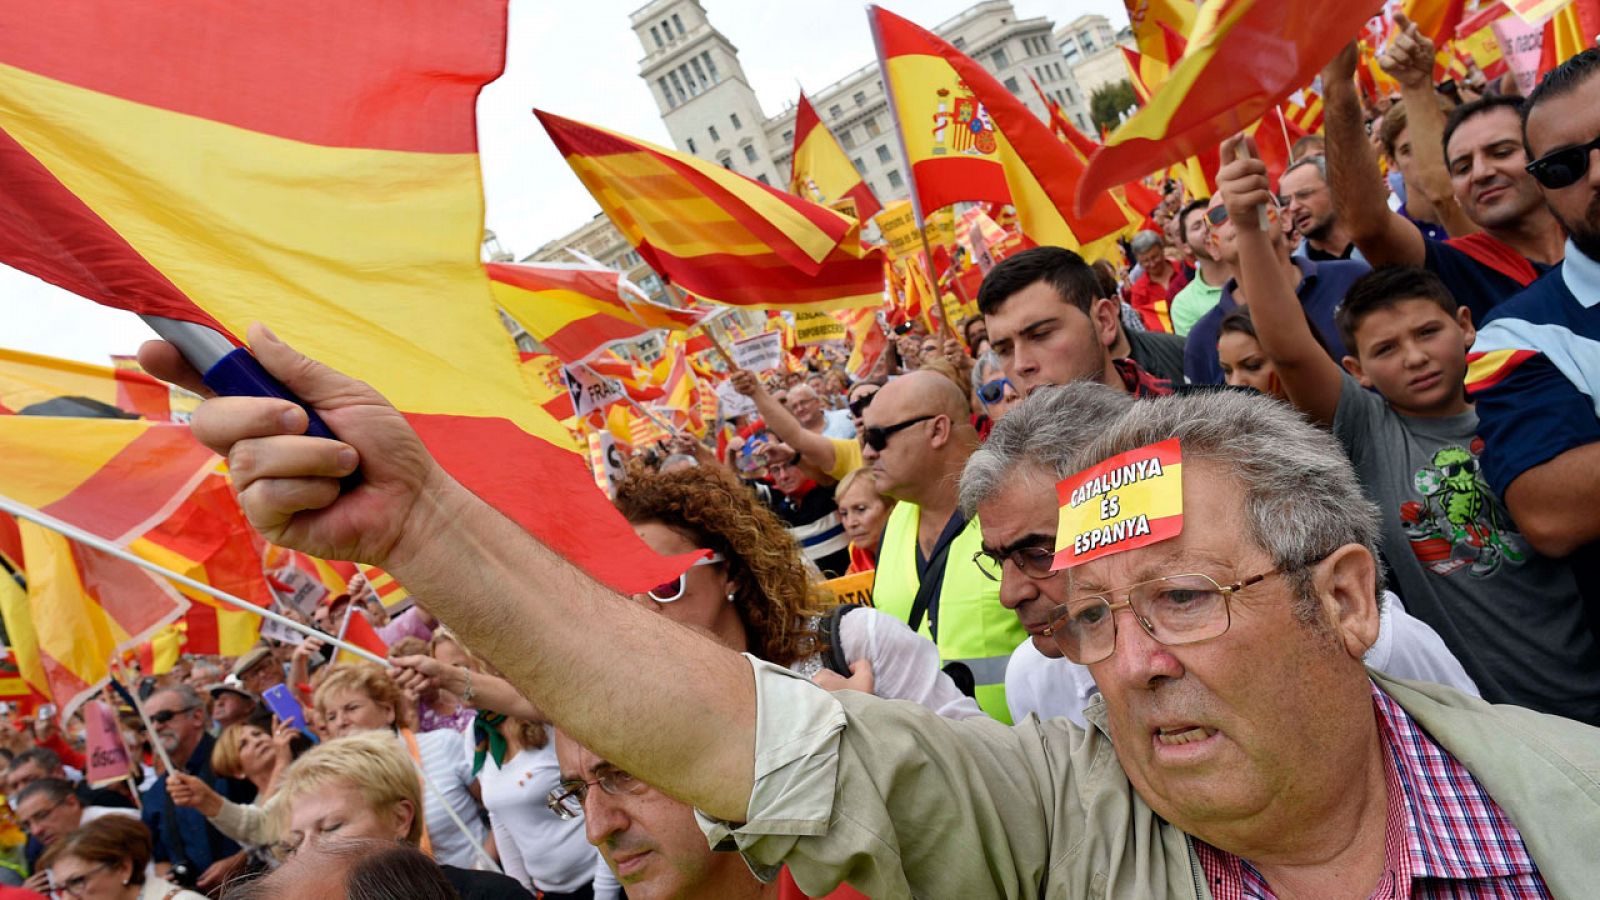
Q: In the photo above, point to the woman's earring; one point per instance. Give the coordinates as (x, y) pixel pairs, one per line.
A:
(730, 596)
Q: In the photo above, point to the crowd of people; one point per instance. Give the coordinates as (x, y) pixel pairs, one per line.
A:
(1368, 665)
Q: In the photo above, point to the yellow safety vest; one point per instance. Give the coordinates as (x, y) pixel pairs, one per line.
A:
(974, 629)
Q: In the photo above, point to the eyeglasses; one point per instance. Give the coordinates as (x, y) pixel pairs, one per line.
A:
(859, 405)
(1562, 168)
(1216, 215)
(990, 392)
(566, 801)
(29, 823)
(878, 438)
(74, 886)
(1175, 610)
(670, 591)
(167, 715)
(1033, 562)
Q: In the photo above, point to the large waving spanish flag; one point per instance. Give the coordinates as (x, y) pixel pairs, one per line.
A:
(715, 233)
(1160, 29)
(577, 310)
(968, 138)
(312, 166)
(1243, 58)
(821, 172)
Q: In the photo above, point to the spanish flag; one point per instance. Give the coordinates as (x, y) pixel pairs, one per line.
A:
(1161, 29)
(577, 310)
(715, 233)
(822, 173)
(308, 165)
(543, 371)
(968, 138)
(1243, 58)
(43, 385)
(1488, 368)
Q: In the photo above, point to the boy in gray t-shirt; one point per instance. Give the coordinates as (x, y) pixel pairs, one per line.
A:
(1513, 618)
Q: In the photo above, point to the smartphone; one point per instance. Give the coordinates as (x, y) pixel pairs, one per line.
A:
(286, 708)
(903, 328)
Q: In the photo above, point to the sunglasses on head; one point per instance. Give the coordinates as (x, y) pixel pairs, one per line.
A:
(670, 591)
(1562, 168)
(990, 392)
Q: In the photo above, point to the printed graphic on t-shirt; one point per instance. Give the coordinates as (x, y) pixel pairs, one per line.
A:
(1456, 523)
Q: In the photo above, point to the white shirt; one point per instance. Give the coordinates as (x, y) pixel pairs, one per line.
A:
(542, 851)
(1406, 648)
(905, 665)
(451, 774)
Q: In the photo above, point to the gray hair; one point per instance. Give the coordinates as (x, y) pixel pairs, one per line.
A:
(1046, 429)
(986, 363)
(55, 790)
(1301, 497)
(1320, 163)
(1144, 240)
(191, 698)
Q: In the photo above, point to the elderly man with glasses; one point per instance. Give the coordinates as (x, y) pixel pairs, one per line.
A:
(1256, 755)
(48, 809)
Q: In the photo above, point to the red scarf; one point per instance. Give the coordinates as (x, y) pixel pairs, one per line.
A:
(1493, 253)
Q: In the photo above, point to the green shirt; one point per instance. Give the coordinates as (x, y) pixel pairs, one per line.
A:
(1195, 300)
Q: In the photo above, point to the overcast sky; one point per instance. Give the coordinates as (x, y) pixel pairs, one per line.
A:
(579, 60)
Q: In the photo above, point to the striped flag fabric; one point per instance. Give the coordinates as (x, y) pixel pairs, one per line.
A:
(821, 171)
(312, 166)
(578, 310)
(1160, 29)
(715, 233)
(968, 138)
(1243, 58)
(33, 384)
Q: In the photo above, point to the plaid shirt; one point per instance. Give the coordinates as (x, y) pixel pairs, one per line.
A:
(1140, 384)
(1444, 836)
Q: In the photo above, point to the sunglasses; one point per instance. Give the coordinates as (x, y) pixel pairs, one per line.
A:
(167, 715)
(990, 392)
(671, 591)
(1562, 168)
(858, 406)
(1216, 215)
(878, 438)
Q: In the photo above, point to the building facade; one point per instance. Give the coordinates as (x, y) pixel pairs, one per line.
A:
(1093, 51)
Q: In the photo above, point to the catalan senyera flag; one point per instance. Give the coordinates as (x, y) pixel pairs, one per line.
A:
(36, 384)
(577, 310)
(1305, 113)
(968, 138)
(308, 165)
(1243, 58)
(715, 233)
(1160, 28)
(822, 173)
(85, 607)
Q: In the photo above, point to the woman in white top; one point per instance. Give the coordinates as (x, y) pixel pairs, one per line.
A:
(106, 860)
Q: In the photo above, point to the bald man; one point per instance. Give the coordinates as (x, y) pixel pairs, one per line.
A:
(916, 438)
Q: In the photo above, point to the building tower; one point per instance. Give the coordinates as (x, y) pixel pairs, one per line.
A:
(707, 104)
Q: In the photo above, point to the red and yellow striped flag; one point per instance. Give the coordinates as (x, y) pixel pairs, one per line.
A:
(1243, 58)
(308, 165)
(43, 385)
(967, 138)
(822, 173)
(715, 233)
(577, 310)
(1160, 28)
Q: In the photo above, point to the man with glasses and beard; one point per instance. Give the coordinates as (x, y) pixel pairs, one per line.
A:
(201, 856)
(917, 438)
(1535, 367)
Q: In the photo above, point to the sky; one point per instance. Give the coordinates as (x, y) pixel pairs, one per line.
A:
(579, 60)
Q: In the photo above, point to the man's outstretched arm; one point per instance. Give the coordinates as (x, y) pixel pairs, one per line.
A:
(670, 706)
(1384, 236)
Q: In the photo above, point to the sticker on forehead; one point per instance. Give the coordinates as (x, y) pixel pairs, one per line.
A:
(1133, 499)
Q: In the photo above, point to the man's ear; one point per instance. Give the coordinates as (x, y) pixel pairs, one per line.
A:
(1353, 366)
(1346, 588)
(939, 431)
(1104, 316)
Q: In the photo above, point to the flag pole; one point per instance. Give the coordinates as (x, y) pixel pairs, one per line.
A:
(637, 406)
(23, 511)
(705, 327)
(149, 728)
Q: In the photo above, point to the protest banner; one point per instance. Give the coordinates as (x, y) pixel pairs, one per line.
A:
(1131, 500)
(733, 404)
(856, 589)
(1520, 44)
(589, 391)
(898, 225)
(108, 758)
(817, 327)
(295, 587)
(761, 353)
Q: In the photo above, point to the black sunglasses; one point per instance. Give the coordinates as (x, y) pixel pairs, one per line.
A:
(167, 715)
(1216, 215)
(1562, 168)
(858, 406)
(878, 438)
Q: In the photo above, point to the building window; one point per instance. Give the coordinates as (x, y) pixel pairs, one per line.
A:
(677, 87)
(689, 142)
(656, 33)
(998, 58)
(959, 43)
(749, 152)
(788, 136)
(895, 181)
(678, 22)
(883, 153)
(666, 92)
(688, 79)
(1068, 92)
(872, 127)
(734, 118)
(860, 98)
(725, 161)
(763, 179)
(699, 73)
(711, 67)
(860, 166)
(666, 29)
(1012, 86)
(835, 111)
(713, 131)
(847, 139)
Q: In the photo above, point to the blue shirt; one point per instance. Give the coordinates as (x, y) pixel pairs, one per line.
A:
(1476, 286)
(1322, 287)
(202, 844)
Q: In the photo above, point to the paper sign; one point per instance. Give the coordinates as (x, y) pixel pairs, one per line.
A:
(816, 327)
(1535, 12)
(855, 588)
(589, 391)
(898, 225)
(1131, 500)
(734, 404)
(762, 353)
(108, 758)
(1520, 45)
(295, 587)
(281, 633)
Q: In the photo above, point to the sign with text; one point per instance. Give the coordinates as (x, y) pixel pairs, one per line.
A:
(1131, 500)
(855, 588)
(108, 758)
(816, 327)
(1520, 45)
(589, 391)
(734, 404)
(762, 353)
(295, 587)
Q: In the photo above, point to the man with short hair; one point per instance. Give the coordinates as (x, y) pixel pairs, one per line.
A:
(259, 670)
(1427, 200)
(1151, 294)
(200, 855)
(48, 810)
(230, 703)
(917, 438)
(1049, 324)
(1485, 158)
(1533, 369)
(802, 401)
(1201, 293)
(1309, 205)
(37, 763)
(807, 510)
(823, 458)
